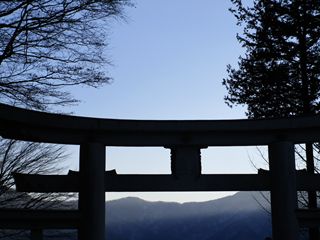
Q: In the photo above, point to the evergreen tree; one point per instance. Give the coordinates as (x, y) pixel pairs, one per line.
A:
(279, 75)
(280, 72)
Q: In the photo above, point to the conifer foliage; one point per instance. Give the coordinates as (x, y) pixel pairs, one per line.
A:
(279, 74)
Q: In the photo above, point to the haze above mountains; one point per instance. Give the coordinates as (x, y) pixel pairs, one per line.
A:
(241, 216)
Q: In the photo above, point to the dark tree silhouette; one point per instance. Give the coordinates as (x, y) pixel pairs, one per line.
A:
(279, 75)
(46, 48)
(35, 158)
(48, 45)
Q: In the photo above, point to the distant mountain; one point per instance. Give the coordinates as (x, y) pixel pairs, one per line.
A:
(238, 217)
(241, 217)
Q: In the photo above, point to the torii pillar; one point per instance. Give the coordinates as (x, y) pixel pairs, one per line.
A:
(92, 191)
(283, 191)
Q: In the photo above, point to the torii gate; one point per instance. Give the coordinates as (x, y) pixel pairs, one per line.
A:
(185, 139)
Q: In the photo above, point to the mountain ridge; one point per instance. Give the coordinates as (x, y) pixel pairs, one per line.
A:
(238, 216)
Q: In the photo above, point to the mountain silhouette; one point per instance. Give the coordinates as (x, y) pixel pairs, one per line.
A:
(241, 216)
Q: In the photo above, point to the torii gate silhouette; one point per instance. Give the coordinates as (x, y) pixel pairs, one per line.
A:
(185, 139)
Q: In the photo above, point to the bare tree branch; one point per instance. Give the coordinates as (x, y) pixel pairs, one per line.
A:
(48, 45)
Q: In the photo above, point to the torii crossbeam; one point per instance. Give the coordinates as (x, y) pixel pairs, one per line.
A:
(185, 139)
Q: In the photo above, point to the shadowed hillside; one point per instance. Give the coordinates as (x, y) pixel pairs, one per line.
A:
(235, 217)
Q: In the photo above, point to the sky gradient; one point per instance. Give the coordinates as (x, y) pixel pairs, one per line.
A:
(168, 62)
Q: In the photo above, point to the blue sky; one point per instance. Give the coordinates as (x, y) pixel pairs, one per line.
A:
(169, 59)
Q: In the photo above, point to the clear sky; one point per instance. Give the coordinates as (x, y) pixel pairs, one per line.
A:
(169, 59)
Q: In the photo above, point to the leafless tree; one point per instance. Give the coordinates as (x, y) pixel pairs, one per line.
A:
(27, 157)
(47, 45)
(300, 160)
(35, 158)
